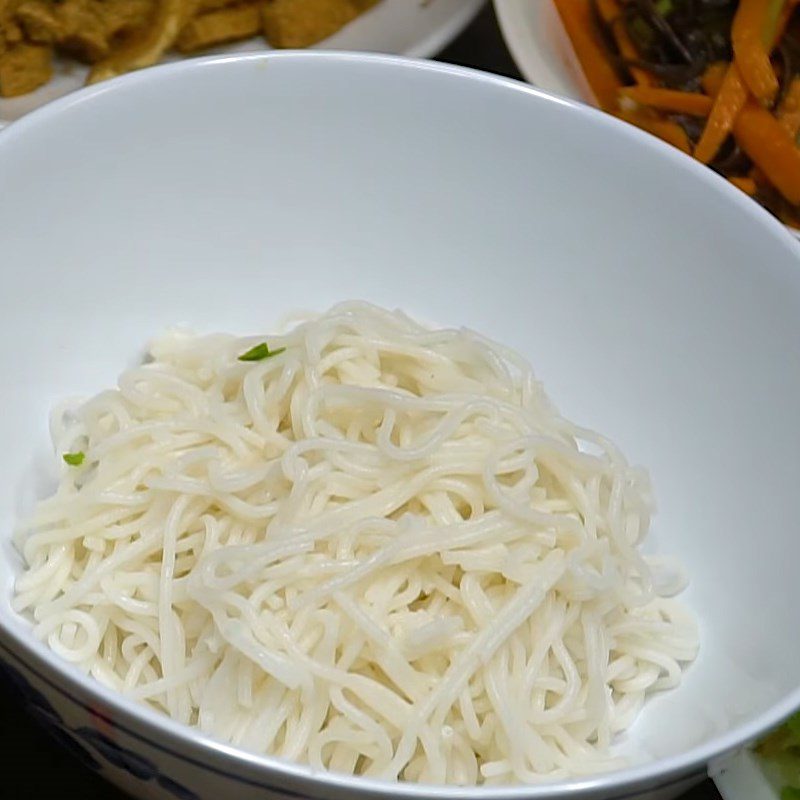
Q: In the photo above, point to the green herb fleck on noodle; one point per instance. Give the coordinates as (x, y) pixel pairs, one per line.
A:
(260, 352)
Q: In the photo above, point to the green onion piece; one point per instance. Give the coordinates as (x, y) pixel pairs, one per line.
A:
(74, 459)
(771, 23)
(790, 793)
(664, 7)
(260, 352)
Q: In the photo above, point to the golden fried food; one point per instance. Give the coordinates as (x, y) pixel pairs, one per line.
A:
(24, 67)
(148, 45)
(301, 23)
(215, 27)
(116, 36)
(201, 6)
(85, 29)
(10, 32)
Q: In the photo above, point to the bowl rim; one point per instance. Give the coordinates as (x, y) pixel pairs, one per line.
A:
(276, 773)
(533, 67)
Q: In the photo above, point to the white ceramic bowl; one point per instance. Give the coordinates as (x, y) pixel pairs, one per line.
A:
(659, 306)
(541, 48)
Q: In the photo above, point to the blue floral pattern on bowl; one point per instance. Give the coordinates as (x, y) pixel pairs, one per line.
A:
(91, 747)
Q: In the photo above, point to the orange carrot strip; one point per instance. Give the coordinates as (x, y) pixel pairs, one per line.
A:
(732, 93)
(771, 149)
(592, 55)
(772, 37)
(611, 12)
(713, 77)
(751, 41)
(789, 117)
(730, 100)
(747, 185)
(789, 109)
(678, 102)
(665, 129)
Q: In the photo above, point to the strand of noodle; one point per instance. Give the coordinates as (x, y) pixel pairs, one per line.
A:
(178, 679)
(168, 622)
(393, 664)
(480, 651)
(146, 545)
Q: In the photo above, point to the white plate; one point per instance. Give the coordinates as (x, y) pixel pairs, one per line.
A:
(419, 28)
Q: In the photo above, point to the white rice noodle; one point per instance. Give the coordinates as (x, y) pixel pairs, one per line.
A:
(380, 551)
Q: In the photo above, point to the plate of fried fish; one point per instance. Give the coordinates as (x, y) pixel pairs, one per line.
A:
(49, 48)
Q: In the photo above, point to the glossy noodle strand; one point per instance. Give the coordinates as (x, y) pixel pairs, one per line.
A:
(372, 547)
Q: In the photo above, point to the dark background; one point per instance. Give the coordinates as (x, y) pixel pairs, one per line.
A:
(31, 765)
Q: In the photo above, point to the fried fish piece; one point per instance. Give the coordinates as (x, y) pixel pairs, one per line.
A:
(300, 23)
(10, 32)
(201, 6)
(145, 48)
(87, 29)
(39, 21)
(126, 15)
(74, 25)
(120, 35)
(225, 25)
(24, 67)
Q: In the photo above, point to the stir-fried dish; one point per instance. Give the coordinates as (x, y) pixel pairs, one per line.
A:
(719, 79)
(116, 36)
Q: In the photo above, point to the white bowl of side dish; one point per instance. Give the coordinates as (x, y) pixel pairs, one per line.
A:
(541, 48)
(222, 193)
(542, 51)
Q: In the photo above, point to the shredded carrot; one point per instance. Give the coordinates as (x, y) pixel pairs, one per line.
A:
(665, 129)
(735, 98)
(750, 38)
(592, 55)
(747, 185)
(785, 12)
(713, 77)
(732, 93)
(789, 109)
(730, 100)
(771, 149)
(788, 114)
(611, 12)
(672, 100)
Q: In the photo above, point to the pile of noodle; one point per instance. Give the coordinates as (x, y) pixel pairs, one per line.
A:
(377, 551)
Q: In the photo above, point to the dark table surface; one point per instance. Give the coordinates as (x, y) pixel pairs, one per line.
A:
(32, 766)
